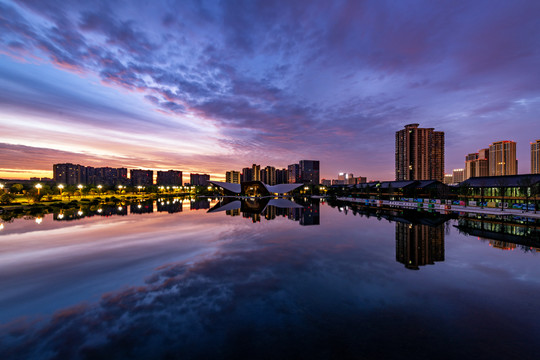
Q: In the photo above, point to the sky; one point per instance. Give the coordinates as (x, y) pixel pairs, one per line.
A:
(212, 86)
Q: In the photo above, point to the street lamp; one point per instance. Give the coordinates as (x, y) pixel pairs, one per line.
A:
(119, 189)
(38, 187)
(139, 188)
(80, 189)
(99, 188)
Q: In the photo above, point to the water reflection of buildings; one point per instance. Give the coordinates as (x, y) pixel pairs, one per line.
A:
(122, 209)
(199, 204)
(419, 235)
(504, 233)
(171, 207)
(418, 245)
(255, 209)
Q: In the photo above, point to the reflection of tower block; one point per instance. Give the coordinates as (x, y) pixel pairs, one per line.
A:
(234, 212)
(419, 245)
(311, 214)
(502, 245)
(270, 212)
(294, 214)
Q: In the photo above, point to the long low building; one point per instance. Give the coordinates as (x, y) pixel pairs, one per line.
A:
(255, 188)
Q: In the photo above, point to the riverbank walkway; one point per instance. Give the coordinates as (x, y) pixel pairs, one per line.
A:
(443, 208)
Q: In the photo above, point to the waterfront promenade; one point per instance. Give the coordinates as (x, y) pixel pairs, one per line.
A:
(442, 207)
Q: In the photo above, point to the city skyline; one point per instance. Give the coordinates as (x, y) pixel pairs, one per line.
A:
(209, 88)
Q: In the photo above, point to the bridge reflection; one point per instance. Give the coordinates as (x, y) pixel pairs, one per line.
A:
(305, 211)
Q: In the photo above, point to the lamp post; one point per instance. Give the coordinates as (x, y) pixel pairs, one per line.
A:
(80, 189)
(2, 187)
(38, 187)
(119, 189)
(60, 188)
(99, 188)
(139, 188)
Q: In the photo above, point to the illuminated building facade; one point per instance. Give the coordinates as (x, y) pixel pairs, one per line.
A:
(535, 157)
(502, 158)
(419, 154)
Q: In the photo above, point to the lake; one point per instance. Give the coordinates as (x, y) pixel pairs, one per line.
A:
(199, 278)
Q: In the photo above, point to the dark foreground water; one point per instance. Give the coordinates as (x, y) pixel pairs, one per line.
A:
(319, 282)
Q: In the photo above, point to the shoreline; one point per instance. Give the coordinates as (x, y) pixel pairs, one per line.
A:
(441, 208)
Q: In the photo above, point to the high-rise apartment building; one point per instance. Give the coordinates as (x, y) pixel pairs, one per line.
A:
(535, 157)
(282, 176)
(70, 174)
(247, 174)
(293, 173)
(419, 154)
(199, 179)
(309, 171)
(268, 175)
(110, 176)
(458, 175)
(477, 164)
(256, 172)
(448, 179)
(169, 178)
(232, 177)
(502, 158)
(141, 177)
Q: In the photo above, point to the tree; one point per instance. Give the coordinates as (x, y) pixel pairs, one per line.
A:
(17, 188)
(6, 198)
(32, 196)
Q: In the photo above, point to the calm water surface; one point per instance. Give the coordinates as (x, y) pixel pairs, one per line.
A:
(176, 281)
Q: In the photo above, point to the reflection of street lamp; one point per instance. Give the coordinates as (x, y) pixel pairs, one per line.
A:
(80, 189)
(38, 187)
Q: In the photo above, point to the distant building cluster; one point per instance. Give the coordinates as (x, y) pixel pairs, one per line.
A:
(75, 174)
(499, 159)
(344, 179)
(420, 152)
(305, 172)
